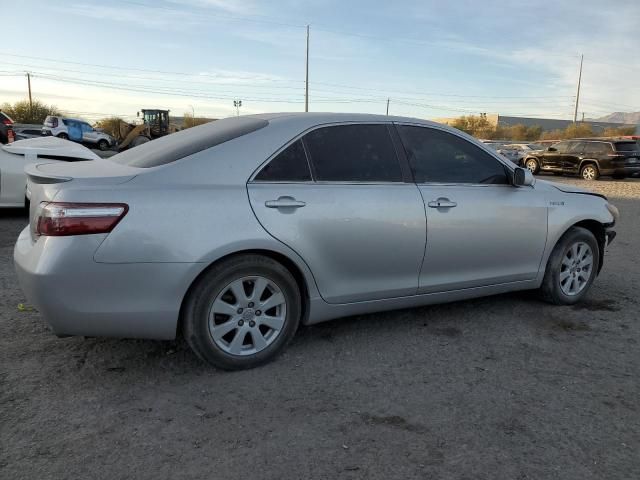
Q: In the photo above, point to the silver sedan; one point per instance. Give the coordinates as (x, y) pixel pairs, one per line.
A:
(236, 232)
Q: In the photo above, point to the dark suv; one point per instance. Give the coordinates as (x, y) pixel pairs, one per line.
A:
(589, 158)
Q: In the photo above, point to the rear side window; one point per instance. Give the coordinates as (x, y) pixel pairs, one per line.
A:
(359, 153)
(597, 148)
(290, 165)
(436, 156)
(627, 146)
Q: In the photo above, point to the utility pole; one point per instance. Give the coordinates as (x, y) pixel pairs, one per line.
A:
(575, 113)
(237, 104)
(306, 82)
(30, 101)
(582, 117)
(388, 105)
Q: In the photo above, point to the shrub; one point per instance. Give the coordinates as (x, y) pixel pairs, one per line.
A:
(22, 112)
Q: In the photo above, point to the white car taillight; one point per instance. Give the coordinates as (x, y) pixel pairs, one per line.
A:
(58, 219)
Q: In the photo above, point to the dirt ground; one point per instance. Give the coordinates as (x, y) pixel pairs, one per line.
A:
(504, 387)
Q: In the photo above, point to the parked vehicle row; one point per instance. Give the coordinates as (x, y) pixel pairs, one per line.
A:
(238, 231)
(589, 158)
(16, 156)
(6, 128)
(77, 131)
(514, 152)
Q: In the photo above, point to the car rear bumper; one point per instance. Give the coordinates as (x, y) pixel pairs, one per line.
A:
(79, 296)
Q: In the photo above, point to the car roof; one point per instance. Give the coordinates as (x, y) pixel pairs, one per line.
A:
(6, 116)
(284, 126)
(319, 118)
(51, 146)
(607, 140)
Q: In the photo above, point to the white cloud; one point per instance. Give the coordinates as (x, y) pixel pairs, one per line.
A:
(141, 16)
(231, 6)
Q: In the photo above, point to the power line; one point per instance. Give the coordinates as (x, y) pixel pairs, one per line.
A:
(164, 72)
(383, 92)
(324, 28)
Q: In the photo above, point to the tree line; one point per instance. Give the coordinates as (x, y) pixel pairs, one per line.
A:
(478, 126)
(36, 112)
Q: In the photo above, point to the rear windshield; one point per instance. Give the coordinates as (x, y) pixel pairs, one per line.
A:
(627, 146)
(187, 142)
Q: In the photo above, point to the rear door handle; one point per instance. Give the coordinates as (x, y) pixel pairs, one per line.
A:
(284, 202)
(442, 202)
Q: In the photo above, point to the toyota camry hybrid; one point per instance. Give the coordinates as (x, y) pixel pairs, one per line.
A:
(236, 232)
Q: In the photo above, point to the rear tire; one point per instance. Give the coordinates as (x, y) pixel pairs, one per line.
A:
(222, 321)
(63, 136)
(590, 172)
(568, 263)
(103, 145)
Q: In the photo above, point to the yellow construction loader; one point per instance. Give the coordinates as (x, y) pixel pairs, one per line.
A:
(155, 124)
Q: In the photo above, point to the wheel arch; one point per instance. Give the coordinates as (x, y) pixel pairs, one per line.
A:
(279, 257)
(598, 231)
(586, 161)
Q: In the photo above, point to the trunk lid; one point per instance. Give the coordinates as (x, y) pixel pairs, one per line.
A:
(46, 180)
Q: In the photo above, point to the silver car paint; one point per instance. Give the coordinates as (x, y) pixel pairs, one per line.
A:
(362, 241)
(185, 215)
(495, 234)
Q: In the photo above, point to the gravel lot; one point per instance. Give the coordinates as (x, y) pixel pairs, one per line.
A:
(504, 387)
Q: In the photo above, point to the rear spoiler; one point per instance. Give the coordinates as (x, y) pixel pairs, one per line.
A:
(36, 176)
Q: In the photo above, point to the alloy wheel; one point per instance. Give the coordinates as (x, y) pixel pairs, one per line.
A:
(589, 172)
(247, 315)
(576, 268)
(532, 165)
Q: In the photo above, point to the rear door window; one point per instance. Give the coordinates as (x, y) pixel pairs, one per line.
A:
(597, 148)
(576, 147)
(436, 156)
(353, 153)
(561, 147)
(290, 165)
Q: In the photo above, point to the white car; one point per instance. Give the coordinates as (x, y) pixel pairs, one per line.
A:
(15, 156)
(78, 131)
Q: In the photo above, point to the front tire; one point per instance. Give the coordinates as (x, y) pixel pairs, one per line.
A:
(63, 136)
(103, 145)
(242, 312)
(571, 268)
(532, 165)
(590, 172)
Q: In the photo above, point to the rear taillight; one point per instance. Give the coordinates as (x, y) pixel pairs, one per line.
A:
(6, 121)
(57, 219)
(11, 136)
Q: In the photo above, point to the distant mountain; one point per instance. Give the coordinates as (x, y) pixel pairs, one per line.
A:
(621, 117)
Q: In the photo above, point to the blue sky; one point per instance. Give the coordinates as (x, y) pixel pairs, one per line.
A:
(431, 58)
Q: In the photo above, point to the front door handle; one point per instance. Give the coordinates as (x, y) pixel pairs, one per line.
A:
(442, 202)
(284, 202)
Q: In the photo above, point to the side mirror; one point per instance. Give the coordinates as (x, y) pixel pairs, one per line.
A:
(522, 177)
